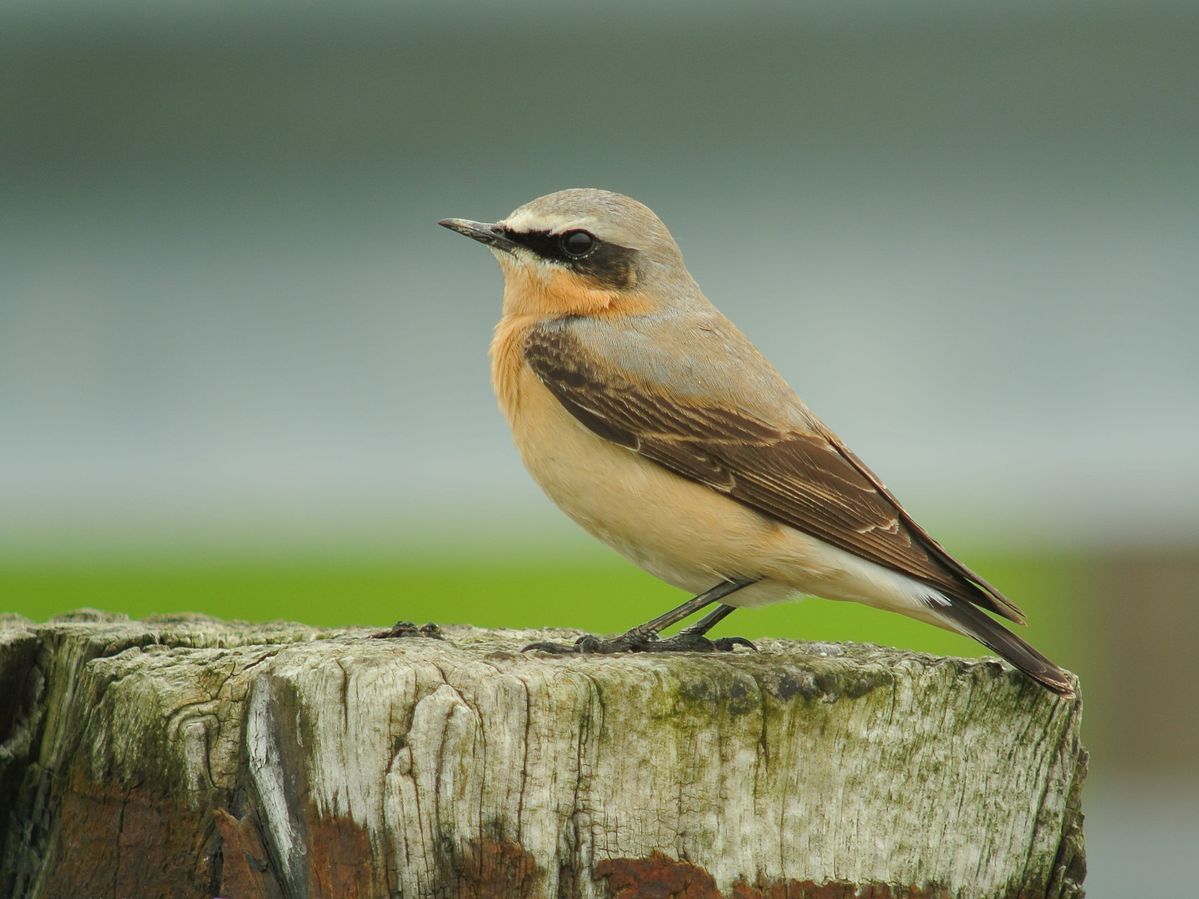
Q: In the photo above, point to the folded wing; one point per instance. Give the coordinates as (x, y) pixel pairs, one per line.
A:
(804, 478)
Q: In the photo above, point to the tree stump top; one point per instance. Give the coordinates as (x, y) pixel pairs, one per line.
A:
(187, 756)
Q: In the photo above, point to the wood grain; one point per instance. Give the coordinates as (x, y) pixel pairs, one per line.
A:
(186, 756)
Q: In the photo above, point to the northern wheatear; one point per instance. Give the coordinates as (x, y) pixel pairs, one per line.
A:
(656, 425)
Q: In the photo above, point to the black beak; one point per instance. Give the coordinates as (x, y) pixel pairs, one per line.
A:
(480, 231)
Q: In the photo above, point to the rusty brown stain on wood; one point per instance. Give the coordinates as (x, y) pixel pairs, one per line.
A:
(115, 841)
(340, 861)
(244, 864)
(488, 868)
(661, 877)
(835, 889)
(108, 834)
(657, 877)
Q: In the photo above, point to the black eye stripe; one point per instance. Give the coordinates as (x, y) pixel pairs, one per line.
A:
(543, 243)
(605, 263)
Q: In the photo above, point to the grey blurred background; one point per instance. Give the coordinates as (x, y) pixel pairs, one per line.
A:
(968, 235)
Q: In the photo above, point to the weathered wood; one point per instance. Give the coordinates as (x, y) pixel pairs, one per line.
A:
(185, 756)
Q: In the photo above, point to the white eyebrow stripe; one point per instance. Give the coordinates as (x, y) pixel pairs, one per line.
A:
(554, 223)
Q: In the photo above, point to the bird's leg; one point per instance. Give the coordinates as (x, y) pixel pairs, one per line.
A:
(710, 620)
(644, 637)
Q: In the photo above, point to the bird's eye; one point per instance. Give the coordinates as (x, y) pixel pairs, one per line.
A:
(576, 244)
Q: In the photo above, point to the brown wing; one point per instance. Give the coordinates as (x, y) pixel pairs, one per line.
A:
(808, 481)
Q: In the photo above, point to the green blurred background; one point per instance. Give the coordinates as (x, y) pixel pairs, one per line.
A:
(242, 372)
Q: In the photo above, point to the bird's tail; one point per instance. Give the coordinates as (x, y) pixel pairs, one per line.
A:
(975, 623)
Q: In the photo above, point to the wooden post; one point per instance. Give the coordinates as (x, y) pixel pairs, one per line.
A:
(185, 756)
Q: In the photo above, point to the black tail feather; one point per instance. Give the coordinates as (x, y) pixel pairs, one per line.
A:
(990, 633)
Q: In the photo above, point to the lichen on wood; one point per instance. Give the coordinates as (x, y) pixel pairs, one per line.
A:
(185, 756)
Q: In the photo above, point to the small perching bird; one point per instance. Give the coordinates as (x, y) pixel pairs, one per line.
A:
(656, 425)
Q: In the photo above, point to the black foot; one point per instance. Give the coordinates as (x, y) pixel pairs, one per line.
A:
(630, 642)
(692, 642)
(408, 629)
(642, 642)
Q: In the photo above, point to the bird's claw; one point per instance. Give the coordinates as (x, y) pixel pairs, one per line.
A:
(686, 641)
(408, 629)
(728, 644)
(640, 642)
(591, 644)
(553, 648)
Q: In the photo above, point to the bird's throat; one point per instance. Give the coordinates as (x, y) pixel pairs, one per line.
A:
(547, 291)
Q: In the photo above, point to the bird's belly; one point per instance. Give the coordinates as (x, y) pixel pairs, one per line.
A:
(684, 533)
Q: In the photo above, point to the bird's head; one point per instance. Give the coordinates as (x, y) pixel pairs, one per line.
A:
(581, 252)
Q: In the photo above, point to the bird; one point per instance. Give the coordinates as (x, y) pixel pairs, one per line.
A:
(653, 422)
